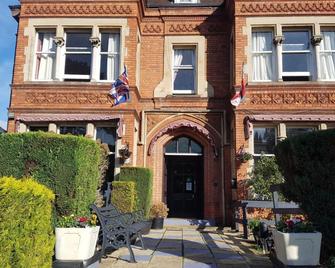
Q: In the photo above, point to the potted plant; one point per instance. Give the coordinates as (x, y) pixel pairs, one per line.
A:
(254, 226)
(158, 212)
(76, 237)
(242, 155)
(297, 243)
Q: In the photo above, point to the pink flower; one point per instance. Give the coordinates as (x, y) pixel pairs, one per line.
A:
(290, 224)
(82, 219)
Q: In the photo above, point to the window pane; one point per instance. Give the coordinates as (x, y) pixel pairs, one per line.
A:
(78, 64)
(195, 148)
(262, 67)
(109, 67)
(72, 130)
(110, 42)
(39, 128)
(107, 135)
(262, 41)
(171, 147)
(328, 40)
(295, 62)
(183, 145)
(183, 80)
(264, 140)
(45, 56)
(78, 42)
(296, 40)
(291, 132)
(183, 57)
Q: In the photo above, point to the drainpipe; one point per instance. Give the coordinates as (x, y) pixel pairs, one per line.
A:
(223, 141)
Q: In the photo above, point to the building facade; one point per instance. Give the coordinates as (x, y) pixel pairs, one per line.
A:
(185, 59)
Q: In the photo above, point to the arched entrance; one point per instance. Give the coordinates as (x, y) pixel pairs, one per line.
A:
(184, 165)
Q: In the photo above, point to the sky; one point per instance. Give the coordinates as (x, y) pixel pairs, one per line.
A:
(7, 47)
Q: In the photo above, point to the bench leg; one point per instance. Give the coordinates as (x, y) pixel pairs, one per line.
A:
(139, 235)
(132, 257)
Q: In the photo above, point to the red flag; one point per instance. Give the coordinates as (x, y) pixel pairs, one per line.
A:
(239, 96)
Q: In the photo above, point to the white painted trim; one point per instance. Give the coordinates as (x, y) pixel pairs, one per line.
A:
(184, 154)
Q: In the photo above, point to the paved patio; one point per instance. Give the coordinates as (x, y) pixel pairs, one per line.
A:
(190, 248)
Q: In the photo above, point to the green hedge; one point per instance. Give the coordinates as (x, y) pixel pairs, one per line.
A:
(143, 179)
(308, 165)
(26, 235)
(124, 195)
(67, 164)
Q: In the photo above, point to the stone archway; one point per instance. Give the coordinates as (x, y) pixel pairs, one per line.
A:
(212, 170)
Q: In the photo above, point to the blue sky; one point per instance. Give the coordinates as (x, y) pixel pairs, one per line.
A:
(7, 47)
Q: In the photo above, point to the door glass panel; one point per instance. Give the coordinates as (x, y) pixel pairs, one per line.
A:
(171, 147)
(183, 144)
(195, 148)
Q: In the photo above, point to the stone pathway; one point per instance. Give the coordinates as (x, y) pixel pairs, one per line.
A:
(189, 248)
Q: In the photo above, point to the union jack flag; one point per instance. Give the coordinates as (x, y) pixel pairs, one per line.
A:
(120, 89)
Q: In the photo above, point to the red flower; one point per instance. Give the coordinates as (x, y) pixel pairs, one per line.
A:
(290, 224)
(82, 219)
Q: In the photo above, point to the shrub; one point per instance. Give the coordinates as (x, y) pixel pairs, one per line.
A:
(159, 210)
(69, 165)
(308, 162)
(143, 179)
(124, 195)
(264, 174)
(26, 236)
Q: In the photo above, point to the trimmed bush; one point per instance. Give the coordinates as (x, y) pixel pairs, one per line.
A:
(143, 179)
(124, 195)
(308, 162)
(67, 164)
(264, 174)
(26, 235)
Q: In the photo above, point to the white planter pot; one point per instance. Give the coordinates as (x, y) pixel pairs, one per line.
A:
(76, 243)
(297, 248)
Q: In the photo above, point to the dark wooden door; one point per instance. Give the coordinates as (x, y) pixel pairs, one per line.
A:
(185, 186)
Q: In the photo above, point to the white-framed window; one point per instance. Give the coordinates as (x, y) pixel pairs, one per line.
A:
(76, 130)
(186, 1)
(264, 141)
(262, 55)
(78, 55)
(292, 131)
(327, 55)
(184, 70)
(109, 55)
(45, 55)
(297, 55)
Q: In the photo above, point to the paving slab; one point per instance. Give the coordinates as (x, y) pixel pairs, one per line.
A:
(180, 247)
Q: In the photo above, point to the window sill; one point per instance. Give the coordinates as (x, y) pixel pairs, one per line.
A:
(57, 82)
(277, 83)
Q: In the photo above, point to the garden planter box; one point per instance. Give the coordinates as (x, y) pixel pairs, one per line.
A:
(297, 248)
(76, 243)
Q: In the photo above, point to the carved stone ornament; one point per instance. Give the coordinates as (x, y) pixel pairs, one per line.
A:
(59, 41)
(278, 39)
(316, 40)
(288, 7)
(95, 41)
(174, 126)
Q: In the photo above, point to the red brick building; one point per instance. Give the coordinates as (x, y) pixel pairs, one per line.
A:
(185, 59)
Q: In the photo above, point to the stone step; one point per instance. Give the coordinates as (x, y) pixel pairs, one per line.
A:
(172, 223)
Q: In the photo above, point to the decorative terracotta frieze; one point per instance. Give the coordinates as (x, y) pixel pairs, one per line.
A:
(78, 9)
(203, 28)
(68, 98)
(287, 7)
(149, 29)
(296, 98)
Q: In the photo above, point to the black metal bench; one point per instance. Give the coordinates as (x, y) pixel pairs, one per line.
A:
(118, 229)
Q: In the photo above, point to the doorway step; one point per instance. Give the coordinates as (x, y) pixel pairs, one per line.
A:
(192, 223)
